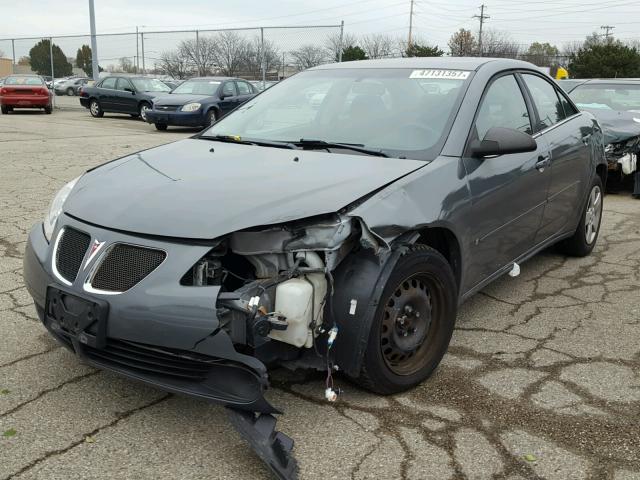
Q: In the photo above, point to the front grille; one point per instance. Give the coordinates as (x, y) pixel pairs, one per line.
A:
(124, 266)
(167, 108)
(144, 359)
(72, 246)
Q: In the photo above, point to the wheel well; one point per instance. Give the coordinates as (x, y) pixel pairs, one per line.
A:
(602, 172)
(444, 241)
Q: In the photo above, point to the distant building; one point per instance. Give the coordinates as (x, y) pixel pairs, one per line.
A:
(6, 67)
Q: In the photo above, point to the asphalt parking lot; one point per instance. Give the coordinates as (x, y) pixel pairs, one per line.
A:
(542, 379)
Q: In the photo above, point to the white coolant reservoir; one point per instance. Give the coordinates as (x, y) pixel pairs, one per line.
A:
(301, 300)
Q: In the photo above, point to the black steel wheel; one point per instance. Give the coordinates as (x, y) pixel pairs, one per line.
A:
(413, 324)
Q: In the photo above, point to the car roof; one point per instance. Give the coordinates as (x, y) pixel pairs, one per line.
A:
(219, 79)
(608, 81)
(23, 75)
(453, 63)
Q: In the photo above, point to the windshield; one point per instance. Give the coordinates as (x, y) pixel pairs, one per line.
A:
(23, 81)
(607, 96)
(149, 85)
(198, 87)
(401, 112)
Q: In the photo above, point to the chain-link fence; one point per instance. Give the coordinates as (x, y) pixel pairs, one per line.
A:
(260, 53)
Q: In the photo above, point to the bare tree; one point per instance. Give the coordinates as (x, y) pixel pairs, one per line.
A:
(230, 50)
(333, 44)
(309, 56)
(125, 65)
(496, 43)
(200, 55)
(462, 44)
(174, 65)
(253, 56)
(1, 53)
(378, 46)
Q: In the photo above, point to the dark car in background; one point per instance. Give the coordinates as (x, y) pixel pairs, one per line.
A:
(122, 94)
(199, 102)
(616, 105)
(70, 86)
(25, 91)
(338, 219)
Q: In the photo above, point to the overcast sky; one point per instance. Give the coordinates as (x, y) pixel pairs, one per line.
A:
(556, 21)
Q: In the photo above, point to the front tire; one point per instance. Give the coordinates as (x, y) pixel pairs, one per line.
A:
(584, 239)
(70, 92)
(95, 109)
(48, 110)
(161, 126)
(413, 323)
(142, 110)
(212, 117)
(4, 109)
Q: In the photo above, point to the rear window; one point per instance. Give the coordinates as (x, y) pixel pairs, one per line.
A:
(23, 81)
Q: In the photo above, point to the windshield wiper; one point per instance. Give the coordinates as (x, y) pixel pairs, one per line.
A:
(311, 144)
(243, 141)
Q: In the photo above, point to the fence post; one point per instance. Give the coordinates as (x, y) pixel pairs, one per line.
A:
(263, 63)
(13, 50)
(200, 72)
(341, 40)
(137, 53)
(142, 45)
(53, 76)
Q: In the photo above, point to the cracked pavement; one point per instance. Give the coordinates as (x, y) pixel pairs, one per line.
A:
(542, 378)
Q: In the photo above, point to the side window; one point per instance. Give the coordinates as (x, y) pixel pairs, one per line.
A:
(545, 99)
(228, 90)
(568, 108)
(244, 88)
(123, 83)
(503, 106)
(109, 82)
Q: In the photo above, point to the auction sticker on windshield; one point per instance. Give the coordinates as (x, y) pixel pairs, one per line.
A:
(447, 74)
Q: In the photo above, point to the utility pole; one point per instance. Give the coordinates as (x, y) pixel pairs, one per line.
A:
(607, 31)
(341, 46)
(94, 44)
(201, 71)
(482, 17)
(142, 46)
(53, 74)
(137, 53)
(410, 40)
(13, 49)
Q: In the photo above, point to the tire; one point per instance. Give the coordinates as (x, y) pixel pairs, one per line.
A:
(4, 109)
(142, 110)
(161, 126)
(212, 116)
(586, 235)
(413, 323)
(48, 110)
(70, 92)
(95, 109)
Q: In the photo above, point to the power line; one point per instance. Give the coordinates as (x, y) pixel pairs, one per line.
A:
(482, 17)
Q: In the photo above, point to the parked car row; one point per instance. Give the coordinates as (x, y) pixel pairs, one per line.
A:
(197, 102)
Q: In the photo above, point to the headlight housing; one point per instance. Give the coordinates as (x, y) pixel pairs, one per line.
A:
(55, 208)
(191, 107)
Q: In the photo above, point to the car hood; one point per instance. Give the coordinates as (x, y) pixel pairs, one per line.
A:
(180, 99)
(203, 189)
(617, 126)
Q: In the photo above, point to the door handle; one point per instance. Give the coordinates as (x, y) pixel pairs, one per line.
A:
(543, 162)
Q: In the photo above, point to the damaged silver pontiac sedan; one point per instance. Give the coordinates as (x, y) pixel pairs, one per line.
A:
(334, 222)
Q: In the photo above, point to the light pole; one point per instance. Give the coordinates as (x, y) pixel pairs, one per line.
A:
(94, 44)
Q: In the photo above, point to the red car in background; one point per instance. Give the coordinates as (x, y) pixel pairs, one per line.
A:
(25, 91)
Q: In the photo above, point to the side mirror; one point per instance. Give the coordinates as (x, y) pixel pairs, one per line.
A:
(127, 89)
(502, 141)
(223, 95)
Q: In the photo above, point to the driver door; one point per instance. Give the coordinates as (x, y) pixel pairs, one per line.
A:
(508, 192)
(230, 100)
